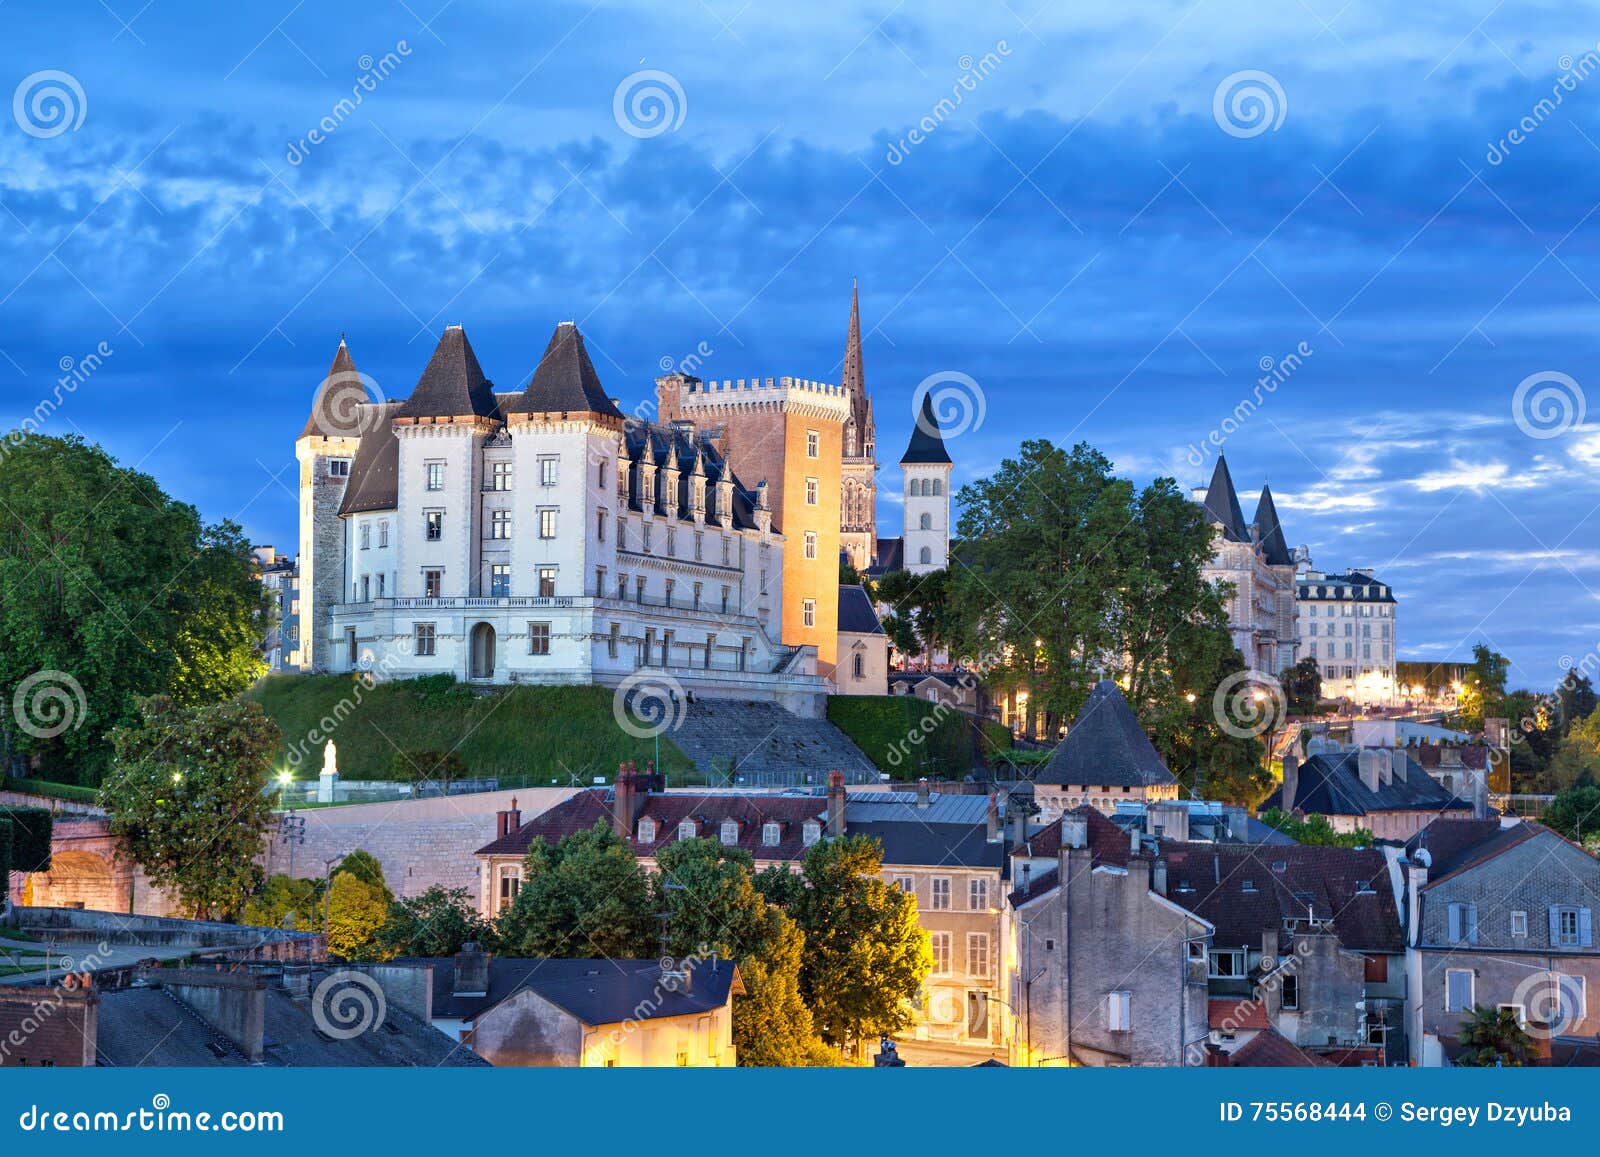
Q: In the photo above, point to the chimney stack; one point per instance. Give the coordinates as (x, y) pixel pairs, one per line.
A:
(1291, 781)
(472, 971)
(992, 818)
(835, 804)
(924, 794)
(624, 797)
(1158, 878)
(508, 821)
(1074, 831)
(1367, 768)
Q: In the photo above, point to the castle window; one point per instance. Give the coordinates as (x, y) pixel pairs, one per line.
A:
(500, 524)
(435, 475)
(771, 834)
(926, 556)
(339, 468)
(433, 525)
(638, 588)
(730, 832)
(724, 600)
(599, 582)
(500, 581)
(937, 488)
(499, 476)
(548, 465)
(538, 638)
(858, 667)
(424, 638)
(547, 582)
(432, 583)
(925, 522)
(813, 444)
(699, 546)
(672, 585)
(811, 544)
(698, 589)
(808, 612)
(600, 525)
(811, 491)
(547, 522)
(672, 543)
(383, 533)
(611, 640)
(727, 545)
(622, 587)
(366, 535)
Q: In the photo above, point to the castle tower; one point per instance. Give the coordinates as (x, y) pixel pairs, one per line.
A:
(858, 527)
(789, 434)
(926, 467)
(325, 450)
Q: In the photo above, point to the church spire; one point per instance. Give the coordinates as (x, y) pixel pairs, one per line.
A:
(853, 379)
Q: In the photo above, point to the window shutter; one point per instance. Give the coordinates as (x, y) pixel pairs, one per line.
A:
(1555, 925)
(1472, 923)
(1585, 929)
(1455, 923)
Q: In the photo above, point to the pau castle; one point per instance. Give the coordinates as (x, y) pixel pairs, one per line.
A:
(541, 535)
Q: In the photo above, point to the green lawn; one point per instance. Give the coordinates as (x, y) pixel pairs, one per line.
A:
(520, 735)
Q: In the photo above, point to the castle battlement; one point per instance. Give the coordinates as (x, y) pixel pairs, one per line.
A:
(785, 383)
(821, 398)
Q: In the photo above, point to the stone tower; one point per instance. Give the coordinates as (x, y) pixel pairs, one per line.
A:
(858, 508)
(325, 450)
(926, 467)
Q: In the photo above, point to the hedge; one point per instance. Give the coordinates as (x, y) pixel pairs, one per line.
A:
(71, 792)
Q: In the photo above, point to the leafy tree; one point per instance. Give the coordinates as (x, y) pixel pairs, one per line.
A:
(356, 911)
(1575, 812)
(1491, 1037)
(1315, 830)
(866, 956)
(282, 898)
(712, 905)
(113, 584)
(187, 798)
(1575, 701)
(1483, 691)
(587, 896)
(422, 767)
(1302, 687)
(922, 610)
(366, 867)
(437, 923)
(1577, 757)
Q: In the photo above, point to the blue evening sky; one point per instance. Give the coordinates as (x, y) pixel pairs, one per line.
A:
(1089, 228)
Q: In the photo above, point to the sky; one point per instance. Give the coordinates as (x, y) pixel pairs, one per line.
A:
(1355, 246)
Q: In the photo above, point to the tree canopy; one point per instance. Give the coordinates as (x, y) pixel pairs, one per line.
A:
(113, 591)
(585, 897)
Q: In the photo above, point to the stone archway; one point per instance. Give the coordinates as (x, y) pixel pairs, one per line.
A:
(481, 665)
(79, 879)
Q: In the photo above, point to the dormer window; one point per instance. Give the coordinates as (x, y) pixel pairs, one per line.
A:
(688, 830)
(730, 832)
(647, 831)
(771, 834)
(811, 833)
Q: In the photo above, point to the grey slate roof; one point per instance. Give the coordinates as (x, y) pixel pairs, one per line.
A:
(1358, 586)
(1330, 785)
(1222, 504)
(856, 613)
(374, 482)
(663, 444)
(452, 384)
(565, 381)
(891, 555)
(333, 409)
(1273, 545)
(1106, 746)
(594, 991)
(927, 441)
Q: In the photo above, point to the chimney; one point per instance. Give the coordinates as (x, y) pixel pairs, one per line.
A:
(1416, 880)
(1367, 768)
(1480, 794)
(472, 971)
(1158, 878)
(1169, 820)
(835, 804)
(1385, 766)
(508, 821)
(234, 1004)
(1074, 831)
(924, 794)
(1019, 802)
(624, 800)
(992, 818)
(1291, 781)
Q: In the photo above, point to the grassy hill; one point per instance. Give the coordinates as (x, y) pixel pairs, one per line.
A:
(522, 735)
(909, 738)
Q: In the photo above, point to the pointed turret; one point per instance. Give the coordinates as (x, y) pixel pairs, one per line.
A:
(854, 382)
(1274, 547)
(1222, 504)
(927, 442)
(335, 410)
(564, 380)
(452, 385)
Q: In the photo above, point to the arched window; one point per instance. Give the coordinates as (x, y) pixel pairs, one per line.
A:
(926, 522)
(858, 667)
(936, 488)
(927, 555)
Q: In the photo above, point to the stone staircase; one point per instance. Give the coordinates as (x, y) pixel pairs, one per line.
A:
(766, 745)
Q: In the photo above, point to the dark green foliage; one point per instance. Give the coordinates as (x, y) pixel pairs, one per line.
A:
(437, 923)
(906, 737)
(67, 791)
(1493, 1038)
(532, 735)
(30, 837)
(1315, 830)
(364, 866)
(1302, 687)
(441, 768)
(282, 898)
(587, 896)
(1575, 812)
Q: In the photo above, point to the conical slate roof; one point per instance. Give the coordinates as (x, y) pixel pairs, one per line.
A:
(1105, 746)
(1222, 504)
(564, 380)
(335, 410)
(1274, 547)
(927, 442)
(452, 385)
